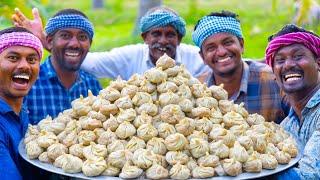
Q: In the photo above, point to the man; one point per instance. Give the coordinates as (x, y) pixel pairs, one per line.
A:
(69, 37)
(221, 44)
(294, 55)
(162, 30)
(20, 55)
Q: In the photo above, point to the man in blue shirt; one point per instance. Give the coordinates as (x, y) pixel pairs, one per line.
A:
(294, 55)
(20, 55)
(69, 37)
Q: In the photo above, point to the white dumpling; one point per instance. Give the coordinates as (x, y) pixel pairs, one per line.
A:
(156, 171)
(185, 126)
(167, 86)
(85, 137)
(143, 118)
(166, 129)
(198, 147)
(202, 172)
(165, 62)
(253, 164)
(72, 164)
(33, 150)
(172, 113)
(125, 130)
(209, 160)
(55, 150)
(77, 150)
(107, 137)
(111, 171)
(155, 75)
(45, 139)
(238, 153)
(143, 158)
(130, 171)
(43, 157)
(126, 115)
(157, 146)
(95, 150)
(175, 142)
(94, 167)
(218, 92)
(119, 158)
(124, 102)
(146, 132)
(111, 123)
(110, 94)
(232, 167)
(174, 157)
(116, 145)
(140, 98)
(179, 171)
(268, 161)
(135, 143)
(219, 149)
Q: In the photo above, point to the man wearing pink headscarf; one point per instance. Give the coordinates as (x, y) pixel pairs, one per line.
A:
(294, 55)
(20, 55)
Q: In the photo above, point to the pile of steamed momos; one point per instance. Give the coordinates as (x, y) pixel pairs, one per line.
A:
(162, 124)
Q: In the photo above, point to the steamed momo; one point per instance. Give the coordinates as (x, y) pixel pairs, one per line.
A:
(94, 167)
(55, 150)
(174, 157)
(165, 129)
(175, 142)
(202, 172)
(143, 158)
(33, 150)
(179, 171)
(198, 147)
(135, 143)
(157, 172)
(130, 171)
(157, 145)
(146, 132)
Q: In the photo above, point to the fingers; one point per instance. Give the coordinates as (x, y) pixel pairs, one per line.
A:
(36, 14)
(16, 20)
(19, 14)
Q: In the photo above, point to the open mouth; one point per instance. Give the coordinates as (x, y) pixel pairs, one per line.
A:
(292, 77)
(162, 49)
(21, 79)
(72, 54)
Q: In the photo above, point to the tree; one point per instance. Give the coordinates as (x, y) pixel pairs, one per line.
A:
(144, 6)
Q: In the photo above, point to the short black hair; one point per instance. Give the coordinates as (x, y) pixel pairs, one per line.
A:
(14, 29)
(70, 11)
(223, 13)
(289, 28)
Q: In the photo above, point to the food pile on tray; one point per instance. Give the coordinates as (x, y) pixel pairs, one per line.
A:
(162, 124)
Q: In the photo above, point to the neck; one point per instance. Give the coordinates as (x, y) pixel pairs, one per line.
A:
(66, 77)
(14, 103)
(230, 81)
(299, 100)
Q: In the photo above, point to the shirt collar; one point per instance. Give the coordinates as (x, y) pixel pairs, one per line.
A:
(147, 59)
(315, 100)
(244, 81)
(5, 108)
(51, 72)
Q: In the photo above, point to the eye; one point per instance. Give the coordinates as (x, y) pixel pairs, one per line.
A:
(172, 35)
(297, 57)
(13, 58)
(210, 48)
(83, 37)
(155, 34)
(64, 35)
(279, 60)
(32, 59)
(228, 42)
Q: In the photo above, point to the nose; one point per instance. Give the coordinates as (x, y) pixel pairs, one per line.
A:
(23, 64)
(74, 42)
(289, 63)
(221, 50)
(163, 39)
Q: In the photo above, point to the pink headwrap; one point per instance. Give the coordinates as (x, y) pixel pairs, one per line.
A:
(20, 39)
(310, 41)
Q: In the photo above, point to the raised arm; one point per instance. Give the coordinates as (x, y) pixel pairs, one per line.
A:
(35, 25)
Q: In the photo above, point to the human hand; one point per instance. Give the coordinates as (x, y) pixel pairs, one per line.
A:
(35, 25)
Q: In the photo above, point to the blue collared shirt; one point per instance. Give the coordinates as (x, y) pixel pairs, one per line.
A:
(49, 97)
(12, 130)
(307, 136)
(128, 60)
(259, 91)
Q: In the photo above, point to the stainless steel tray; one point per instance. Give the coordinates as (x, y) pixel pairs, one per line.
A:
(51, 168)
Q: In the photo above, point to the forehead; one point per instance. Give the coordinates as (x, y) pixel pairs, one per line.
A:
(20, 50)
(71, 30)
(164, 29)
(292, 49)
(219, 37)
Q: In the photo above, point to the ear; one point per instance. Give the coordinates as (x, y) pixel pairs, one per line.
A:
(202, 56)
(241, 41)
(318, 63)
(144, 36)
(49, 40)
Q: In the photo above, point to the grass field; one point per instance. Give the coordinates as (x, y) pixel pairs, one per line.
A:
(114, 23)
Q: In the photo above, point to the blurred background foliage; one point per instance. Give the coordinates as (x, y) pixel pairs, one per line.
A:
(115, 21)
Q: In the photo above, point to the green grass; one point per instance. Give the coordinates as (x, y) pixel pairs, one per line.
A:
(114, 23)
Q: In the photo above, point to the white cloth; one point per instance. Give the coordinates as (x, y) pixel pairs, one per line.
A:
(128, 60)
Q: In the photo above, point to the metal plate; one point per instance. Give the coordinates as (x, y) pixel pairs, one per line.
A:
(51, 168)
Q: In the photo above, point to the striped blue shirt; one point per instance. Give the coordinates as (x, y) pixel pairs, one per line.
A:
(49, 97)
(12, 129)
(259, 91)
(307, 135)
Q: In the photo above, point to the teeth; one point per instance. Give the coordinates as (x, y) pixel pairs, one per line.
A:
(22, 77)
(162, 49)
(292, 77)
(223, 60)
(72, 54)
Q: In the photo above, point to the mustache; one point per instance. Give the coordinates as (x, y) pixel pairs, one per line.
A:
(168, 46)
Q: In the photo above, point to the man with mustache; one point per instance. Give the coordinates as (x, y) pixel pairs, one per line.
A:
(69, 37)
(221, 43)
(162, 30)
(294, 55)
(20, 55)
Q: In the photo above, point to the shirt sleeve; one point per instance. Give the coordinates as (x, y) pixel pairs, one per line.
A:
(8, 168)
(309, 164)
(110, 64)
